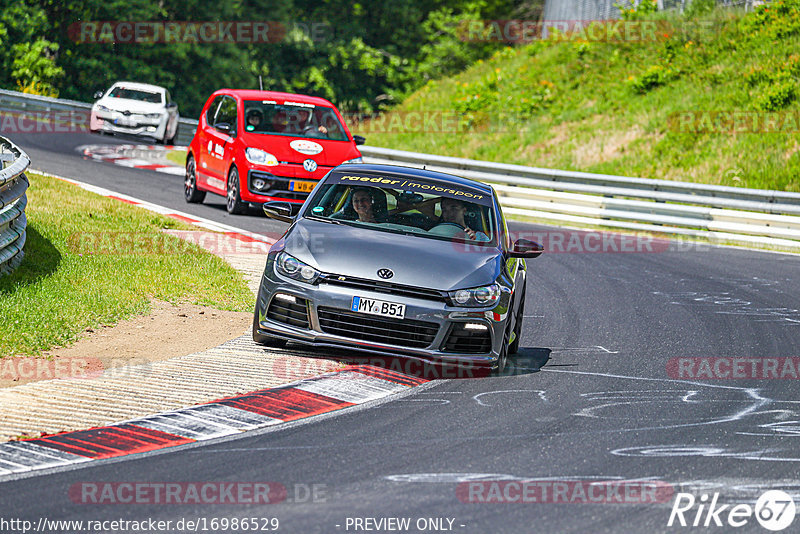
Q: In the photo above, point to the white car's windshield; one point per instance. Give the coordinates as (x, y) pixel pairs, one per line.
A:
(295, 120)
(136, 94)
(436, 210)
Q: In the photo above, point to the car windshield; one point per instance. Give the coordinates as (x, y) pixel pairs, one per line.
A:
(294, 120)
(135, 94)
(424, 208)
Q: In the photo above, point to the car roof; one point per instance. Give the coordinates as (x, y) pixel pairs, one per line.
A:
(414, 172)
(254, 94)
(141, 86)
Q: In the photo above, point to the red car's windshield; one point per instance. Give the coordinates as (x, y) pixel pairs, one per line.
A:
(295, 120)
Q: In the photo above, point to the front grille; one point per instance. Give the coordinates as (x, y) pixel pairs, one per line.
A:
(404, 332)
(464, 340)
(291, 313)
(384, 287)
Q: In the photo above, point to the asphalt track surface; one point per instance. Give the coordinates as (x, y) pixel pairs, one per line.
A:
(589, 398)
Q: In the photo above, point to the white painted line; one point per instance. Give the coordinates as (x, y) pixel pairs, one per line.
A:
(201, 222)
(349, 386)
(177, 171)
(45, 452)
(233, 416)
(185, 426)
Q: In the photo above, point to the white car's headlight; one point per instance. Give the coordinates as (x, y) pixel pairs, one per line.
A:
(101, 107)
(153, 115)
(261, 157)
(476, 297)
(288, 265)
(354, 160)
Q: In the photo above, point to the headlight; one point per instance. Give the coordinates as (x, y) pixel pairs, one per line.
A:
(288, 265)
(354, 160)
(256, 155)
(153, 115)
(102, 108)
(476, 297)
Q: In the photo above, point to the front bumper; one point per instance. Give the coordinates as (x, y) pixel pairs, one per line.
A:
(114, 122)
(432, 331)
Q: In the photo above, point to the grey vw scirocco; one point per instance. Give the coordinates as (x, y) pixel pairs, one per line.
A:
(395, 261)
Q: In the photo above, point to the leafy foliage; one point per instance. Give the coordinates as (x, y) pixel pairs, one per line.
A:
(361, 56)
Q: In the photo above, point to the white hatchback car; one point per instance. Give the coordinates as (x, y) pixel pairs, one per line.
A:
(136, 109)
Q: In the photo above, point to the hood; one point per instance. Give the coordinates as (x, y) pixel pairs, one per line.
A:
(297, 150)
(416, 261)
(134, 106)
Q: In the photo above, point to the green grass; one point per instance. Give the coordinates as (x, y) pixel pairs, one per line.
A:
(177, 156)
(65, 284)
(615, 108)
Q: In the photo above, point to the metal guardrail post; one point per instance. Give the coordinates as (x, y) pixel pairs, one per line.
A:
(13, 185)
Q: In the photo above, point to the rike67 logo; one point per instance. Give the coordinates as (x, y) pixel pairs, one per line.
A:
(774, 510)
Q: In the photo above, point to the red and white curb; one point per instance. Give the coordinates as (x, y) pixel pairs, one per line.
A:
(200, 222)
(126, 156)
(351, 386)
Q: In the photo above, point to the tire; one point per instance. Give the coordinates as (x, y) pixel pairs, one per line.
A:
(190, 191)
(171, 140)
(513, 348)
(233, 200)
(267, 341)
(502, 359)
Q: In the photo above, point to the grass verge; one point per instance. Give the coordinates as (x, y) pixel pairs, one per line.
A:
(177, 156)
(90, 260)
(713, 98)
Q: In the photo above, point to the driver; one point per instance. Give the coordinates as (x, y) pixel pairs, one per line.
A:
(452, 221)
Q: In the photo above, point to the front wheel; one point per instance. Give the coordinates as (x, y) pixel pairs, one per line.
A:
(513, 348)
(234, 203)
(190, 191)
(171, 140)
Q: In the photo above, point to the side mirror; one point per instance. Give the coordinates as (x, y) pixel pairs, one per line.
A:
(359, 139)
(98, 95)
(172, 105)
(280, 211)
(223, 127)
(524, 248)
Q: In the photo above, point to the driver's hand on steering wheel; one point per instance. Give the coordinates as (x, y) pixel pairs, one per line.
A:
(470, 232)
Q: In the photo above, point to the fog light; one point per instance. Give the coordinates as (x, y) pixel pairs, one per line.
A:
(286, 298)
(151, 128)
(259, 184)
(475, 326)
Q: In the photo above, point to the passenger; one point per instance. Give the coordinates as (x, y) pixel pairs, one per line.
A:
(253, 120)
(453, 212)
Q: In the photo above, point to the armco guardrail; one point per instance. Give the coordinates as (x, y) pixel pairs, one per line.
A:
(76, 113)
(13, 184)
(717, 213)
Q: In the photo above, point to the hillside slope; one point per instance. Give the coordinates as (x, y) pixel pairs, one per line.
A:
(711, 99)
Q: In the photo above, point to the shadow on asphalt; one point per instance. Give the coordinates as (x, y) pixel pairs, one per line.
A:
(527, 361)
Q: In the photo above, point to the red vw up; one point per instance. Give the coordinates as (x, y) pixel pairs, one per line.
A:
(256, 146)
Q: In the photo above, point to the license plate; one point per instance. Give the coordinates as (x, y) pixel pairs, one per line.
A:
(378, 307)
(301, 187)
